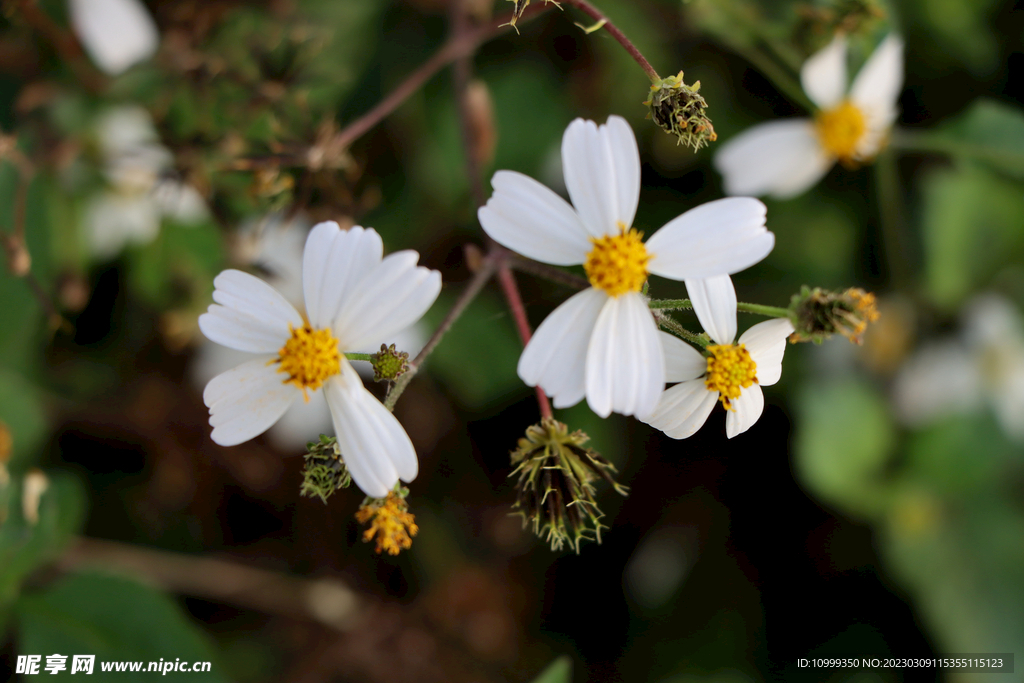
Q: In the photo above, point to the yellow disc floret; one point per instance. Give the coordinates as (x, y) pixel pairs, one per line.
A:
(309, 357)
(618, 263)
(841, 129)
(730, 368)
(392, 524)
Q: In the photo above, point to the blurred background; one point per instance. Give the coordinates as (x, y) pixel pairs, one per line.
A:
(877, 508)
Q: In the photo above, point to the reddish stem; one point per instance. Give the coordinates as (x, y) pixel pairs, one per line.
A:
(618, 35)
(515, 303)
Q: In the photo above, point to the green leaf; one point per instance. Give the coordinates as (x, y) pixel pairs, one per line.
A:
(22, 412)
(23, 545)
(477, 358)
(972, 222)
(843, 440)
(989, 131)
(558, 671)
(115, 619)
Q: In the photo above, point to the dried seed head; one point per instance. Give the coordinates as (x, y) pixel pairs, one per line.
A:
(324, 471)
(555, 489)
(820, 313)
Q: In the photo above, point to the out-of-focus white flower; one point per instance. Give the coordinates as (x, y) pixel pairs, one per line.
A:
(731, 373)
(785, 158)
(274, 246)
(984, 364)
(603, 342)
(116, 33)
(140, 193)
(354, 298)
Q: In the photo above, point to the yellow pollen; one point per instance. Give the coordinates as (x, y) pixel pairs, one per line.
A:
(309, 358)
(393, 524)
(840, 130)
(618, 263)
(730, 368)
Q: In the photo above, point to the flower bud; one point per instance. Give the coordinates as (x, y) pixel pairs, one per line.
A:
(679, 109)
(324, 471)
(819, 313)
(389, 364)
(555, 492)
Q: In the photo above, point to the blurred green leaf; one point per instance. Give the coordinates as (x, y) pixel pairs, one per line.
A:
(477, 358)
(989, 131)
(22, 412)
(959, 455)
(972, 222)
(25, 545)
(113, 618)
(181, 261)
(844, 438)
(558, 671)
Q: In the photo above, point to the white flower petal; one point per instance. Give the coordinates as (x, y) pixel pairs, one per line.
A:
(115, 33)
(714, 302)
(682, 361)
(625, 361)
(252, 315)
(683, 409)
(244, 402)
(602, 173)
(334, 263)
(555, 358)
(113, 220)
(746, 409)
(880, 81)
(779, 158)
(939, 380)
(717, 238)
(391, 297)
(766, 343)
(527, 217)
(823, 75)
(180, 201)
(375, 447)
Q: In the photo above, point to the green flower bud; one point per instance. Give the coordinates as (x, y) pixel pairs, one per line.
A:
(324, 471)
(679, 109)
(555, 492)
(389, 364)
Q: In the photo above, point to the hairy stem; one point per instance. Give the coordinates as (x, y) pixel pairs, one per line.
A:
(668, 323)
(686, 304)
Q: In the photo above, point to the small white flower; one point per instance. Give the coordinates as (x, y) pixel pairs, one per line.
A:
(116, 33)
(985, 364)
(354, 299)
(602, 343)
(275, 246)
(785, 158)
(136, 166)
(731, 373)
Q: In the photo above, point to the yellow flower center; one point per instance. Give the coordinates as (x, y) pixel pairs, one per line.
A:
(730, 368)
(840, 129)
(393, 524)
(618, 263)
(309, 357)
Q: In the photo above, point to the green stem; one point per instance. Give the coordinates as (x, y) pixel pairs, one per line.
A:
(360, 356)
(913, 141)
(686, 304)
(668, 323)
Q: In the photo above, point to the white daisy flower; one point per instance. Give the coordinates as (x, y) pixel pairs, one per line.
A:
(353, 298)
(983, 365)
(116, 33)
(602, 343)
(732, 373)
(785, 158)
(275, 246)
(140, 195)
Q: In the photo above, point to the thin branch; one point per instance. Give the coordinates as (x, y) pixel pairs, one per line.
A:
(515, 303)
(328, 601)
(617, 34)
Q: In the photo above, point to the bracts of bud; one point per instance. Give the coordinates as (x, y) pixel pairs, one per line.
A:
(324, 471)
(389, 364)
(555, 486)
(818, 313)
(679, 109)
